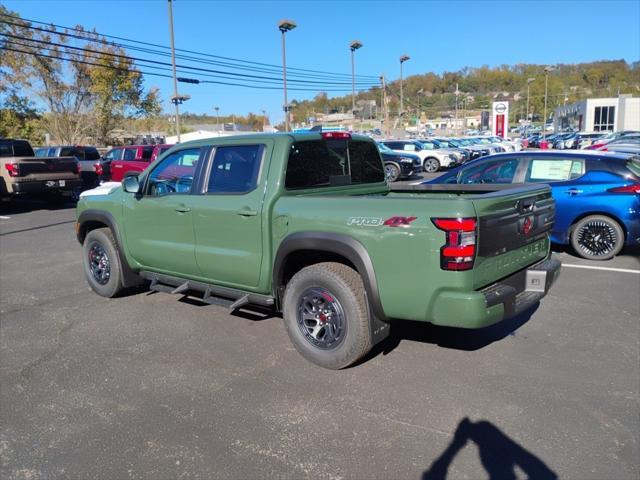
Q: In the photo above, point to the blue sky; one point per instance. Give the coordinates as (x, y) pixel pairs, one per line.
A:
(439, 36)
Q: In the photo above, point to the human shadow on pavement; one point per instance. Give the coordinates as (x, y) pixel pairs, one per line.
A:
(499, 454)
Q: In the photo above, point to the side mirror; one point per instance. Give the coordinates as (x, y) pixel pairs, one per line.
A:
(131, 184)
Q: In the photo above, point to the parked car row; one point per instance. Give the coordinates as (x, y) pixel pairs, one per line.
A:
(597, 193)
(67, 170)
(579, 140)
(438, 153)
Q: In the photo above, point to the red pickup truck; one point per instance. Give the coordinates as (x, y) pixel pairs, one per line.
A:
(120, 161)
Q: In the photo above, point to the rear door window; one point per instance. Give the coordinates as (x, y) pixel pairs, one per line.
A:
(6, 148)
(235, 169)
(497, 171)
(22, 149)
(130, 154)
(554, 170)
(325, 163)
(72, 152)
(91, 153)
(146, 153)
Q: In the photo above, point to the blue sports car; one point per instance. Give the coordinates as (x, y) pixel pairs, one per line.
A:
(597, 194)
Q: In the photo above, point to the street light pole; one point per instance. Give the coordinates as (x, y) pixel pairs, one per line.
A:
(217, 109)
(355, 45)
(455, 125)
(529, 80)
(175, 99)
(544, 119)
(403, 59)
(285, 26)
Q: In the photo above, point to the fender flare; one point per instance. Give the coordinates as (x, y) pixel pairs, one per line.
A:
(129, 277)
(343, 245)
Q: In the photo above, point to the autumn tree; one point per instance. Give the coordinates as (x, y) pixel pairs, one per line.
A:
(85, 84)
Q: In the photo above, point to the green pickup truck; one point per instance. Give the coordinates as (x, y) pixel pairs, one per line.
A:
(306, 225)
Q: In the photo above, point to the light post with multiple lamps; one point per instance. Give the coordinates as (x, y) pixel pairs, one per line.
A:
(353, 46)
(285, 26)
(403, 59)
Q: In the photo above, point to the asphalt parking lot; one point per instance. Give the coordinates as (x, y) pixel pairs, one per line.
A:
(156, 386)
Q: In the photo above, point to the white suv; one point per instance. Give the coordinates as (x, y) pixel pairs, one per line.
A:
(432, 160)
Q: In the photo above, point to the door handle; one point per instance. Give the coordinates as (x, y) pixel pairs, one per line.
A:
(247, 212)
(573, 191)
(183, 209)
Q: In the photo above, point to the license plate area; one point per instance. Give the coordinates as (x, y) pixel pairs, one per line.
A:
(535, 281)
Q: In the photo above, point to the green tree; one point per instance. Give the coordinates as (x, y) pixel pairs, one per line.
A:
(86, 88)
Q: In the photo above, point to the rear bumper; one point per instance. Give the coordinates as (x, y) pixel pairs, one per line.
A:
(499, 301)
(40, 186)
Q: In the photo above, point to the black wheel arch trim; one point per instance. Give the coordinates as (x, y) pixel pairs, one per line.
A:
(343, 245)
(129, 277)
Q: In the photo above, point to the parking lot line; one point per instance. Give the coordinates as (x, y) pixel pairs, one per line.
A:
(4, 218)
(608, 269)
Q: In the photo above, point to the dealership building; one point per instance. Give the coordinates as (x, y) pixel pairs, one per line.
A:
(599, 114)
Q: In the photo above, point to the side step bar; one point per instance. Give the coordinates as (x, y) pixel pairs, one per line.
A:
(211, 294)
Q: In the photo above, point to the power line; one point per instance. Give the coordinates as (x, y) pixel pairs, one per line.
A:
(219, 74)
(344, 75)
(42, 55)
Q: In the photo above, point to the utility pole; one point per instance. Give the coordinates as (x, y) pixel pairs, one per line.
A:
(285, 26)
(529, 80)
(385, 109)
(544, 119)
(455, 125)
(403, 59)
(353, 46)
(176, 98)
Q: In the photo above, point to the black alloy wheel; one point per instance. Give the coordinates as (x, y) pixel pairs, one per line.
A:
(597, 237)
(321, 319)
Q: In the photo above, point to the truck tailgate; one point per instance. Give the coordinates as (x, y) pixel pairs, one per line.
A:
(513, 228)
(46, 167)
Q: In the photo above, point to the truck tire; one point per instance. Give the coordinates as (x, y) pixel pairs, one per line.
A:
(597, 237)
(102, 263)
(431, 165)
(326, 316)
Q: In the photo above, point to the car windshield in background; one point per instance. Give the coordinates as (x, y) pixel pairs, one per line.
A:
(326, 163)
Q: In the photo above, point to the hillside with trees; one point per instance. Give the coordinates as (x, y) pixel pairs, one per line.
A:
(434, 94)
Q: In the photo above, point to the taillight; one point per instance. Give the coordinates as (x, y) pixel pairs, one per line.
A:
(78, 168)
(459, 251)
(98, 168)
(633, 188)
(13, 169)
(336, 135)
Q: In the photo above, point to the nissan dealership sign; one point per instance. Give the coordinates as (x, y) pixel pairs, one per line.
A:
(500, 119)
